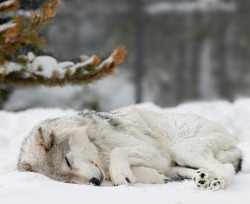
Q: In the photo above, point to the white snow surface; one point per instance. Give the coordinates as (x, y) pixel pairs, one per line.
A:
(29, 188)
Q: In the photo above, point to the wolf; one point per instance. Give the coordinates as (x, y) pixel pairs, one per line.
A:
(132, 145)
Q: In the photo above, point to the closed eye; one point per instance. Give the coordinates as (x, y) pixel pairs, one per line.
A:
(68, 163)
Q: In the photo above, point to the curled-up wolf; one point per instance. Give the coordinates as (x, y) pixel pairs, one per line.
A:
(132, 145)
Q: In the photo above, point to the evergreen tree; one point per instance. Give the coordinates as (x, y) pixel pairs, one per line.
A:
(19, 30)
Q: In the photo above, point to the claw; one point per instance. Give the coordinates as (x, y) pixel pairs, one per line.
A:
(127, 179)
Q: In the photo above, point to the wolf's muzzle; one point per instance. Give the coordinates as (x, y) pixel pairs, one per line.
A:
(95, 181)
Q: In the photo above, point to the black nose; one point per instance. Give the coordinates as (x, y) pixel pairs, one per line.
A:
(95, 181)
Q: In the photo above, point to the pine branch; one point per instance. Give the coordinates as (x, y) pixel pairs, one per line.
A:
(22, 30)
(32, 70)
(8, 5)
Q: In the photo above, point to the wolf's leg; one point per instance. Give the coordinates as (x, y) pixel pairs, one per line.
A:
(211, 173)
(149, 176)
(180, 173)
(122, 157)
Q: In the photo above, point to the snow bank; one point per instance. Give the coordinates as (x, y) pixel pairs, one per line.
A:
(29, 188)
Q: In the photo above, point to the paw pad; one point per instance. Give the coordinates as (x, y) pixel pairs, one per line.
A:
(205, 181)
(217, 184)
(201, 179)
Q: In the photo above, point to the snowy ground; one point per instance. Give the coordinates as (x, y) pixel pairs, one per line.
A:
(29, 188)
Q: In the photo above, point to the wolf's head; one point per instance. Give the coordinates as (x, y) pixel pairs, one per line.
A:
(64, 155)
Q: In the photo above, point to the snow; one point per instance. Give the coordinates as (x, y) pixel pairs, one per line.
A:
(29, 188)
(6, 26)
(31, 56)
(6, 3)
(83, 64)
(198, 5)
(107, 61)
(47, 66)
(10, 67)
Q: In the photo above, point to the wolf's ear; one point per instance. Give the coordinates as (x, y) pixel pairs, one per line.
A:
(45, 138)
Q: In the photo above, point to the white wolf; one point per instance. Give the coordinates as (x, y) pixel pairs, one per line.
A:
(132, 145)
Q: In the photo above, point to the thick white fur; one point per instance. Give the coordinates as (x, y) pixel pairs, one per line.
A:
(145, 147)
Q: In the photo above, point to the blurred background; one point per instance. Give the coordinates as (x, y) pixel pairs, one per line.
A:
(178, 51)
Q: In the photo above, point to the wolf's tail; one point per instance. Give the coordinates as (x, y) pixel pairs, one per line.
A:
(233, 156)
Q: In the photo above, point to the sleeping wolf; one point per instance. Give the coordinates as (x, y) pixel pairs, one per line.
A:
(132, 145)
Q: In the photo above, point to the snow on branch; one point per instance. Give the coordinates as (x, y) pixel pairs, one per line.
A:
(23, 30)
(8, 5)
(31, 69)
(187, 7)
(6, 26)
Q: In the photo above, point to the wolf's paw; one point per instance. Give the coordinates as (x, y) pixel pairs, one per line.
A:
(205, 180)
(217, 184)
(148, 175)
(157, 177)
(201, 179)
(121, 177)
